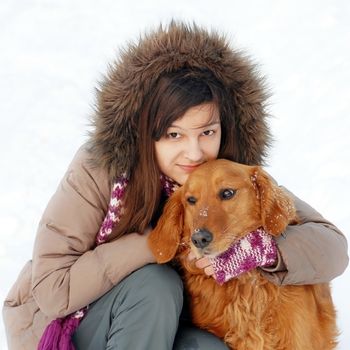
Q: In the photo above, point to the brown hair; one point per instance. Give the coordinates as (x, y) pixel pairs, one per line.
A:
(171, 97)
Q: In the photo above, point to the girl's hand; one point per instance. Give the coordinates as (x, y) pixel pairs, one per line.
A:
(202, 263)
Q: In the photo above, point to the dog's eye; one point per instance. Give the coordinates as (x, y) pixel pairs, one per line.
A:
(192, 200)
(227, 193)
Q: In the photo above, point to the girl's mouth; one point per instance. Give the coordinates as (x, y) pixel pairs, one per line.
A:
(189, 168)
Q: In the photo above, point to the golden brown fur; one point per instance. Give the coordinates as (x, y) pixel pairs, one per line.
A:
(248, 312)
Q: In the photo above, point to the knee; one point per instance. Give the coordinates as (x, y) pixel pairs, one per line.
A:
(160, 276)
(159, 286)
(160, 282)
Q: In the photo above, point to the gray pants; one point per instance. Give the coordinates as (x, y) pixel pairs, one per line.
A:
(142, 312)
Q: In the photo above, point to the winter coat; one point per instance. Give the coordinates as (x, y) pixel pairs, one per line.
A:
(68, 271)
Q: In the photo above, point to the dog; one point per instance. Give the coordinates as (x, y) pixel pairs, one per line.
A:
(229, 200)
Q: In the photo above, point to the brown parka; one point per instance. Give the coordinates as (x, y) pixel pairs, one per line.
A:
(68, 271)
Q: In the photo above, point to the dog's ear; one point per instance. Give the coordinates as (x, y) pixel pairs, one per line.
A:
(164, 240)
(277, 208)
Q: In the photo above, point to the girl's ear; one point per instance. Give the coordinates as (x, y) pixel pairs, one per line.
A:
(164, 240)
(277, 208)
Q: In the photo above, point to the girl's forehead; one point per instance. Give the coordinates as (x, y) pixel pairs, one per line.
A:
(198, 117)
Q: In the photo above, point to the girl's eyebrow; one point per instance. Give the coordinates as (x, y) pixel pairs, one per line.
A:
(215, 122)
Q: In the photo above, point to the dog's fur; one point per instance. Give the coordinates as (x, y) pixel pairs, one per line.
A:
(248, 312)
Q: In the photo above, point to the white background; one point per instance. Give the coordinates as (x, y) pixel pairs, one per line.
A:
(54, 52)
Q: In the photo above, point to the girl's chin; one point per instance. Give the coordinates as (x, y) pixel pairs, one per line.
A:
(180, 178)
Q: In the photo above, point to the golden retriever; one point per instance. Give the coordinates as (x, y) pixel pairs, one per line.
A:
(247, 312)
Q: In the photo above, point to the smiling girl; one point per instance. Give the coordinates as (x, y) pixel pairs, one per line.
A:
(179, 97)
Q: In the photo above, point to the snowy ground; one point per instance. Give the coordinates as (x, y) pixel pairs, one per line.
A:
(53, 52)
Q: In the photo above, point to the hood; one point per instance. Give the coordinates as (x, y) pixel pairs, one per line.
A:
(121, 94)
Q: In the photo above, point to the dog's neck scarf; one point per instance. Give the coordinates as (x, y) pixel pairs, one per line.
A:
(256, 249)
(57, 335)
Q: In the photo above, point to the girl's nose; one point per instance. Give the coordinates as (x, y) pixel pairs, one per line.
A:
(194, 151)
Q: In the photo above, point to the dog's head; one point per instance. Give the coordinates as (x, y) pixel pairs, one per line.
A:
(220, 203)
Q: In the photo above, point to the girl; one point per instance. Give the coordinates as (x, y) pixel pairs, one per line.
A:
(175, 100)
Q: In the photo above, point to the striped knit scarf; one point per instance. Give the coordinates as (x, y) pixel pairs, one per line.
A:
(256, 249)
(58, 334)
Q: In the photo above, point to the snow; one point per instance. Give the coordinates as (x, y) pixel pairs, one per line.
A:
(54, 52)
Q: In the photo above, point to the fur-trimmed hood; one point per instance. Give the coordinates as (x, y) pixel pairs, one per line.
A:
(129, 80)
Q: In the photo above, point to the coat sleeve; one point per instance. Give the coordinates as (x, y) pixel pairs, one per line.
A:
(69, 272)
(314, 251)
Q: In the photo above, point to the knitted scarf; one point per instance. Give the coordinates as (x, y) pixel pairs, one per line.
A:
(58, 334)
(256, 249)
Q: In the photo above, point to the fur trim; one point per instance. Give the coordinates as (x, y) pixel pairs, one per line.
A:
(129, 79)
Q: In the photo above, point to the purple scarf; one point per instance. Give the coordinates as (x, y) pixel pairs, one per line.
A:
(58, 334)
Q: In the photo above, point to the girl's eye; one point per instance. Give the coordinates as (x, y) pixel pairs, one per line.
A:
(173, 135)
(208, 132)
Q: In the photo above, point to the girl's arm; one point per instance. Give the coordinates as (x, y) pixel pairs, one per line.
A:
(314, 251)
(69, 272)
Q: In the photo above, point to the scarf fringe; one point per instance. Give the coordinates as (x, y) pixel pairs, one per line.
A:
(50, 338)
(58, 334)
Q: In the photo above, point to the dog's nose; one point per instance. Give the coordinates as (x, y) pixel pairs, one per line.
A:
(201, 237)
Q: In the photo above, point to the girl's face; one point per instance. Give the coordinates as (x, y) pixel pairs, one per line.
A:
(190, 141)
